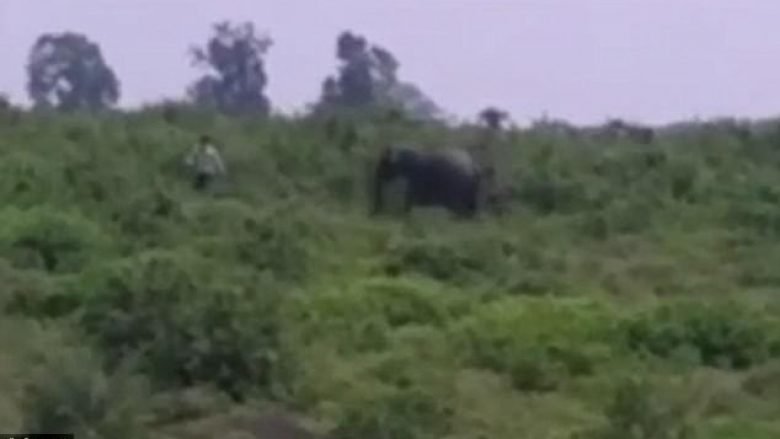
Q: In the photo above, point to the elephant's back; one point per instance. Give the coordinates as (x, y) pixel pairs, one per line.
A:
(460, 158)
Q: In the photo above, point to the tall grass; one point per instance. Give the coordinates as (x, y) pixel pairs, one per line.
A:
(612, 261)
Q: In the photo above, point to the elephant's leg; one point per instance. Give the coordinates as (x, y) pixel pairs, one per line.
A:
(469, 200)
(410, 197)
(473, 205)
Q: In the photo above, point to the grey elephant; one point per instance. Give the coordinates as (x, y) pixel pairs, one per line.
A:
(448, 178)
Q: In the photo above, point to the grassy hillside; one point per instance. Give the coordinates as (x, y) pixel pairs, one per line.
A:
(627, 287)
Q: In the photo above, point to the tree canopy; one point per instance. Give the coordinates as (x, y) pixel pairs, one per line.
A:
(67, 71)
(368, 76)
(236, 78)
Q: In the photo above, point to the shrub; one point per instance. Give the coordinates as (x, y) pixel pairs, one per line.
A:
(69, 392)
(721, 334)
(50, 240)
(640, 410)
(404, 302)
(408, 413)
(184, 327)
(361, 317)
(406, 398)
(57, 384)
(438, 259)
(487, 259)
(27, 180)
(144, 217)
(537, 344)
(552, 194)
(32, 294)
(763, 381)
(273, 241)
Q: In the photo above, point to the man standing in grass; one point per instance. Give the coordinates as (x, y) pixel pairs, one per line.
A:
(207, 163)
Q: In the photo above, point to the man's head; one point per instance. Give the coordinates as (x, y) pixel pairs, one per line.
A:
(205, 139)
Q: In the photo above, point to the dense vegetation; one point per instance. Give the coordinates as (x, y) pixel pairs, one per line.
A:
(627, 290)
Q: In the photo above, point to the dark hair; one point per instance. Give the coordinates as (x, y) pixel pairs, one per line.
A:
(205, 138)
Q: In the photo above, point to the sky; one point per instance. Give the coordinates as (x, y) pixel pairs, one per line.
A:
(648, 61)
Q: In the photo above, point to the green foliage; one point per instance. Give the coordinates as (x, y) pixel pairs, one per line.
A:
(720, 334)
(50, 381)
(638, 410)
(402, 393)
(764, 380)
(50, 240)
(487, 259)
(395, 414)
(368, 77)
(281, 286)
(272, 241)
(362, 317)
(185, 328)
(235, 53)
(537, 344)
(26, 179)
(70, 392)
(67, 71)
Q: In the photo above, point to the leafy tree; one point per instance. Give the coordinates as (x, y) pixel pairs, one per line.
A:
(493, 117)
(67, 71)
(5, 102)
(355, 83)
(368, 76)
(237, 79)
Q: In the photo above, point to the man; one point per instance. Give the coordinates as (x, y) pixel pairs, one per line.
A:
(206, 161)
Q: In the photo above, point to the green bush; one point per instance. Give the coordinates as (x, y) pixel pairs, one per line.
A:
(406, 398)
(69, 392)
(27, 180)
(538, 345)
(422, 326)
(362, 317)
(146, 217)
(274, 240)
(50, 240)
(438, 259)
(721, 334)
(487, 259)
(184, 327)
(407, 413)
(406, 302)
(764, 380)
(640, 410)
(51, 382)
(32, 293)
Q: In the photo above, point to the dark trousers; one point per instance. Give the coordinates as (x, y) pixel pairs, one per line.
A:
(202, 180)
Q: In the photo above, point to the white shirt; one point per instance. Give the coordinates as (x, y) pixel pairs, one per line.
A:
(206, 159)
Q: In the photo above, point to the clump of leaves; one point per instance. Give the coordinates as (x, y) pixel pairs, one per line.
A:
(49, 240)
(66, 389)
(185, 329)
(537, 344)
(721, 334)
(638, 410)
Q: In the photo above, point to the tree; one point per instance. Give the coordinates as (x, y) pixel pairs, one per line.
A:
(236, 80)
(355, 82)
(67, 71)
(368, 76)
(493, 117)
(5, 102)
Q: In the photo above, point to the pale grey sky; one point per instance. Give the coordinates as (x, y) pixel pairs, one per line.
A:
(583, 60)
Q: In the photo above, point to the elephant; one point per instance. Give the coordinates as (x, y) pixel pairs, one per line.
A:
(449, 178)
